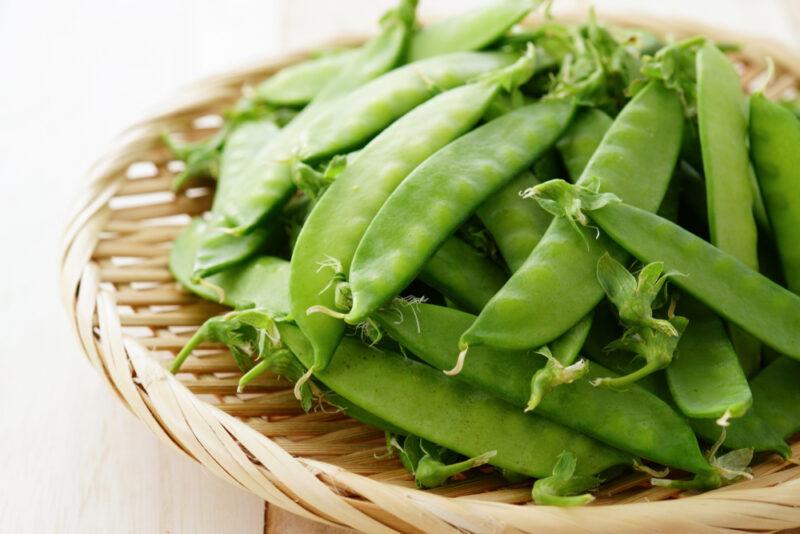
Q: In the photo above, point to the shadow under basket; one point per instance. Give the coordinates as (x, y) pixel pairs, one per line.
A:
(131, 317)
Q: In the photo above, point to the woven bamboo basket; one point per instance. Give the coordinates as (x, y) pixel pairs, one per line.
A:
(131, 317)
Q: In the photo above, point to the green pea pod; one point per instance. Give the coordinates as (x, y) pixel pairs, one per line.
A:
(515, 225)
(267, 177)
(298, 84)
(472, 30)
(261, 282)
(463, 275)
(747, 432)
(705, 377)
(557, 284)
(723, 140)
(366, 111)
(428, 404)
(632, 419)
(774, 138)
(441, 193)
(776, 396)
(741, 295)
(582, 139)
(360, 191)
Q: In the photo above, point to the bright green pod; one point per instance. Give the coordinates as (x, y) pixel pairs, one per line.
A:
(722, 126)
(262, 282)
(776, 396)
(557, 284)
(439, 196)
(357, 195)
(472, 30)
(632, 419)
(463, 275)
(221, 251)
(515, 224)
(298, 84)
(734, 291)
(581, 140)
(705, 377)
(450, 413)
(774, 145)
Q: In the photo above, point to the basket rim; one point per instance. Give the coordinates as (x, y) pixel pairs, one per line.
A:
(314, 489)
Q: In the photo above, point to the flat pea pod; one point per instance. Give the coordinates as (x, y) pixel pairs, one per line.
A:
(579, 142)
(463, 275)
(722, 127)
(358, 116)
(747, 432)
(322, 130)
(557, 284)
(262, 282)
(775, 148)
(298, 84)
(705, 377)
(734, 291)
(267, 179)
(427, 404)
(357, 195)
(223, 250)
(632, 420)
(472, 30)
(515, 227)
(441, 193)
(776, 396)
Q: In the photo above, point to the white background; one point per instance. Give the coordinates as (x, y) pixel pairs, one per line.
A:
(72, 75)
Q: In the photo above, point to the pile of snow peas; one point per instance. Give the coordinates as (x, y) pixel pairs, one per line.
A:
(566, 251)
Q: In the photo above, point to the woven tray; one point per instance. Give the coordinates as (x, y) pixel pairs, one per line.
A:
(131, 317)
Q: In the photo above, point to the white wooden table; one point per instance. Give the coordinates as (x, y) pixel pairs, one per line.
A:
(73, 74)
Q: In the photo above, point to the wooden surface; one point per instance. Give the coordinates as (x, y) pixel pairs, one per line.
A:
(74, 75)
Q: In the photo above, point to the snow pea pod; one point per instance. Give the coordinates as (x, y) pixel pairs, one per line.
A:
(632, 420)
(775, 147)
(360, 191)
(298, 84)
(734, 291)
(581, 139)
(441, 193)
(358, 116)
(776, 396)
(262, 282)
(463, 275)
(425, 403)
(267, 179)
(472, 30)
(747, 432)
(222, 250)
(394, 94)
(722, 126)
(705, 377)
(516, 227)
(557, 284)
